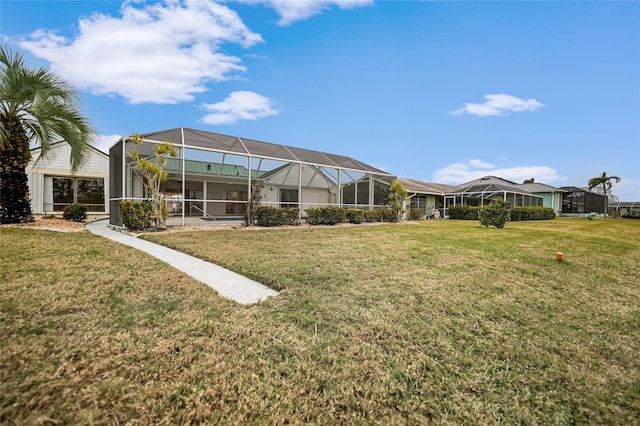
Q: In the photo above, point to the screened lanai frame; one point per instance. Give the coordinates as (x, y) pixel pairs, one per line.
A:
(481, 194)
(209, 160)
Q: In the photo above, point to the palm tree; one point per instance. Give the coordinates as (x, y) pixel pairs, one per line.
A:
(36, 109)
(605, 181)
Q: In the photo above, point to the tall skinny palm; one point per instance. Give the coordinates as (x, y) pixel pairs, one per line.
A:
(604, 181)
(36, 108)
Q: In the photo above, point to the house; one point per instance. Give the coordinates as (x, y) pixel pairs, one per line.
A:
(213, 174)
(53, 186)
(551, 196)
(482, 191)
(624, 206)
(577, 200)
(426, 196)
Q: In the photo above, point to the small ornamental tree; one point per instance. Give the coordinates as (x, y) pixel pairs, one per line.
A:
(152, 172)
(397, 196)
(495, 214)
(252, 203)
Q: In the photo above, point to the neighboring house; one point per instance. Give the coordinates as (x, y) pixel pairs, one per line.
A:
(52, 185)
(213, 176)
(482, 191)
(426, 196)
(624, 206)
(551, 196)
(577, 200)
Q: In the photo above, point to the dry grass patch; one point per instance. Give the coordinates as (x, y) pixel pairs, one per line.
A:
(441, 322)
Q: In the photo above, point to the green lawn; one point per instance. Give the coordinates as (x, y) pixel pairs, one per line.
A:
(436, 322)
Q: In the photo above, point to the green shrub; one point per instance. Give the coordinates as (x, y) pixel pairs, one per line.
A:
(416, 214)
(633, 214)
(136, 215)
(532, 213)
(76, 212)
(464, 212)
(371, 216)
(331, 215)
(355, 215)
(495, 214)
(291, 215)
(273, 216)
(387, 215)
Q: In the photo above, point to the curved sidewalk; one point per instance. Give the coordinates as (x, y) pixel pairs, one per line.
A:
(227, 283)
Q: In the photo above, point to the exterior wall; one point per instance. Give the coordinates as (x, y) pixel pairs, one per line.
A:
(552, 200)
(57, 165)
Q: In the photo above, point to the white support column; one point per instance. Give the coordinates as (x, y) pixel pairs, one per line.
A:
(124, 164)
(299, 192)
(249, 179)
(339, 195)
(204, 198)
(184, 183)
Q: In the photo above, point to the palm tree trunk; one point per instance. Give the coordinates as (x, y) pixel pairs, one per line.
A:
(15, 204)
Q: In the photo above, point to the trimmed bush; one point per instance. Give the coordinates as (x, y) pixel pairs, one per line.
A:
(464, 212)
(532, 213)
(495, 214)
(387, 215)
(76, 212)
(136, 215)
(291, 216)
(416, 214)
(371, 216)
(355, 215)
(326, 215)
(273, 216)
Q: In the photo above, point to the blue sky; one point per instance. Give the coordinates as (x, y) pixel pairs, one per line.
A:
(436, 91)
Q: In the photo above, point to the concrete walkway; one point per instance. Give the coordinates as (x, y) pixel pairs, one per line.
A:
(227, 283)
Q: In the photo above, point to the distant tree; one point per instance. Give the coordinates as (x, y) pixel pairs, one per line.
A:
(529, 180)
(397, 196)
(603, 184)
(36, 108)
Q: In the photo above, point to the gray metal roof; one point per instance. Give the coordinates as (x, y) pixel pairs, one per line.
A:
(420, 187)
(200, 139)
(540, 187)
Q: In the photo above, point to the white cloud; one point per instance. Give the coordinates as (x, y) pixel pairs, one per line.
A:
(239, 106)
(499, 104)
(479, 164)
(161, 52)
(291, 11)
(458, 173)
(104, 142)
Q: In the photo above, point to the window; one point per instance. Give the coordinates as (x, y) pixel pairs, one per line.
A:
(67, 191)
(288, 198)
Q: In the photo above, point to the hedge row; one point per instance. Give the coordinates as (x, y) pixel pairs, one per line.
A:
(461, 212)
(273, 216)
(633, 214)
(532, 213)
(333, 215)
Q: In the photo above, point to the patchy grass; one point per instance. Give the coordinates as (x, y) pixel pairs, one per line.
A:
(437, 322)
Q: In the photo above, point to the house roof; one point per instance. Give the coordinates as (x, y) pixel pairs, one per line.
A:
(61, 143)
(420, 187)
(540, 187)
(577, 189)
(200, 139)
